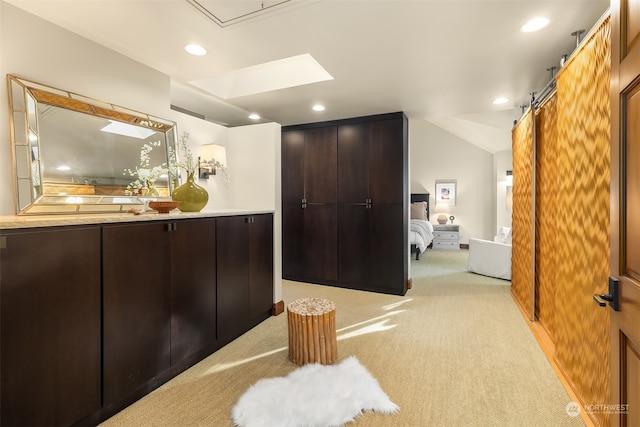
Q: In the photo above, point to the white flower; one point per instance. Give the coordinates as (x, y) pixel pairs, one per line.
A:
(189, 164)
(146, 175)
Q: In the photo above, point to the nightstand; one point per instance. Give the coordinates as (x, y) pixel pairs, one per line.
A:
(446, 237)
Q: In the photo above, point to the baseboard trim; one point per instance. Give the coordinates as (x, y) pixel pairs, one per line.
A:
(278, 308)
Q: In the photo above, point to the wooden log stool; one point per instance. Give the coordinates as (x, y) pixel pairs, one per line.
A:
(312, 331)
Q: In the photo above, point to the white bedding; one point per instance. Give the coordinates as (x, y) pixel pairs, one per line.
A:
(421, 234)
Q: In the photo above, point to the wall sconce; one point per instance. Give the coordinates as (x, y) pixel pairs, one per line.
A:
(211, 155)
(509, 177)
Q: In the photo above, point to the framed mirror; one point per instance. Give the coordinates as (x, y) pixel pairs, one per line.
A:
(74, 154)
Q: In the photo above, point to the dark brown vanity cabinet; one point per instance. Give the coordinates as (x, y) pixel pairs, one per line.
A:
(356, 236)
(159, 299)
(93, 318)
(245, 273)
(136, 306)
(193, 288)
(50, 325)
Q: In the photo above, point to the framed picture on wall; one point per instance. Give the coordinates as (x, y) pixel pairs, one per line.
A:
(446, 192)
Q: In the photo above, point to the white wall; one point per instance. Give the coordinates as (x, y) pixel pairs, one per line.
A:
(253, 154)
(503, 161)
(40, 51)
(37, 50)
(200, 133)
(436, 154)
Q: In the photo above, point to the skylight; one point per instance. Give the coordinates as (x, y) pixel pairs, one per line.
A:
(269, 76)
(125, 129)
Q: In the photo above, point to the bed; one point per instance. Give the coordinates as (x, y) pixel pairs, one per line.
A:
(421, 230)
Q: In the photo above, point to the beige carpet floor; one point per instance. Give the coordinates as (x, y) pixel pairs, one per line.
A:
(454, 351)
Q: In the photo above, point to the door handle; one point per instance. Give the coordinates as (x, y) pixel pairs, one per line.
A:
(612, 297)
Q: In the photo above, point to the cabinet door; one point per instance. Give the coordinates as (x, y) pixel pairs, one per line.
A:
(50, 326)
(193, 287)
(232, 234)
(321, 242)
(136, 306)
(292, 155)
(388, 249)
(353, 167)
(321, 165)
(293, 259)
(260, 267)
(292, 212)
(387, 148)
(353, 247)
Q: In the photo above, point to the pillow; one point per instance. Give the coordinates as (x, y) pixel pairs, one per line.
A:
(504, 235)
(419, 210)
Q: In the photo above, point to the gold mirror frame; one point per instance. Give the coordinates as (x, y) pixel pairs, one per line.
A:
(35, 196)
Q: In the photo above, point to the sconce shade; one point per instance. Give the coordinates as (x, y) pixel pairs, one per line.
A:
(210, 152)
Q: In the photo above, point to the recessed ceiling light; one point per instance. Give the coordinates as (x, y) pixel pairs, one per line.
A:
(195, 49)
(535, 24)
(499, 101)
(63, 168)
(254, 116)
(318, 107)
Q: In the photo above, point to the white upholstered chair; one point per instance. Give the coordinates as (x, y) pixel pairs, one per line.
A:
(492, 258)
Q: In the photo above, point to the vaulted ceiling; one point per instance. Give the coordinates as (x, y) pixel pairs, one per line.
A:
(443, 61)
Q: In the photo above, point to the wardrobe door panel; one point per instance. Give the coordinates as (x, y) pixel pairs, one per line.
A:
(292, 166)
(386, 161)
(321, 242)
(388, 262)
(293, 247)
(320, 164)
(353, 246)
(353, 166)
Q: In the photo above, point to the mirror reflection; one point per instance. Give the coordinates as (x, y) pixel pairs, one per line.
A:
(76, 155)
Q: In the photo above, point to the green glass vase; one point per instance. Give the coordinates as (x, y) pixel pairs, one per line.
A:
(192, 197)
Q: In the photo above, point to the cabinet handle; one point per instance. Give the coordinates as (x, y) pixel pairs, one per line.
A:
(3, 242)
(172, 226)
(248, 220)
(304, 203)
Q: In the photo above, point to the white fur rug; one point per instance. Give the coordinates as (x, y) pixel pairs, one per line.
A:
(313, 395)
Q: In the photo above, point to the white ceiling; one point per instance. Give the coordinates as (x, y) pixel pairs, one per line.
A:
(442, 61)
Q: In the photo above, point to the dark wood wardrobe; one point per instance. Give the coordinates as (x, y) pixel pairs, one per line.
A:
(344, 203)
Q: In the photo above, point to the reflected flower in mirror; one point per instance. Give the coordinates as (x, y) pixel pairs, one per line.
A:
(146, 175)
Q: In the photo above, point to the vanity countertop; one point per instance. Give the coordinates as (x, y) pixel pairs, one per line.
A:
(32, 221)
